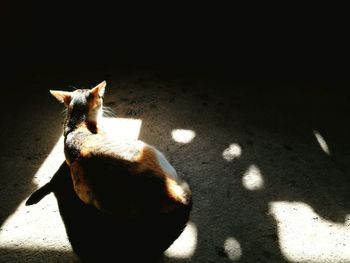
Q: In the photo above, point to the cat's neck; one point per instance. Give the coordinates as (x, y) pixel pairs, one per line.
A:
(82, 122)
(80, 119)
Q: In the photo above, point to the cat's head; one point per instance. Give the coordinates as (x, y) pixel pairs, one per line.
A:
(83, 102)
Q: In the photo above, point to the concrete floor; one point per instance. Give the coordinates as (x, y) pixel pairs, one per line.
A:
(268, 164)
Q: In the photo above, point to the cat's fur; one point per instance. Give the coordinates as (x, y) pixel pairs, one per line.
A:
(126, 178)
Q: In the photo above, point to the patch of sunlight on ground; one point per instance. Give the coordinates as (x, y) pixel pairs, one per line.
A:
(185, 245)
(121, 129)
(322, 142)
(35, 227)
(252, 178)
(306, 237)
(40, 226)
(183, 136)
(232, 152)
(233, 248)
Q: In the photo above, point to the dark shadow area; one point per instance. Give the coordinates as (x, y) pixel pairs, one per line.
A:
(95, 236)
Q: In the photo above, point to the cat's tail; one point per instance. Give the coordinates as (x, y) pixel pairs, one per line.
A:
(39, 194)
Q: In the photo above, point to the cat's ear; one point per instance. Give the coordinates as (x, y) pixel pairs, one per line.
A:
(62, 96)
(99, 90)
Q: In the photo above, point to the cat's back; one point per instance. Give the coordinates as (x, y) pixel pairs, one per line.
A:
(105, 171)
(135, 154)
(82, 144)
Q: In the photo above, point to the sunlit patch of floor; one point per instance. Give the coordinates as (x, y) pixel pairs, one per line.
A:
(185, 245)
(232, 152)
(304, 236)
(233, 249)
(120, 129)
(182, 135)
(38, 227)
(35, 228)
(30, 255)
(252, 179)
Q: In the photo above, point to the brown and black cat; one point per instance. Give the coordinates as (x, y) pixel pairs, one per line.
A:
(128, 178)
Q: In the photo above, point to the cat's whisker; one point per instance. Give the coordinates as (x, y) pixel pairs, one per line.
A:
(108, 112)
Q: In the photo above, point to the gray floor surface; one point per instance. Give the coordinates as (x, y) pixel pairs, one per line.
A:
(268, 163)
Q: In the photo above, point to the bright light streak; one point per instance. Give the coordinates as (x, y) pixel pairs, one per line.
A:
(321, 141)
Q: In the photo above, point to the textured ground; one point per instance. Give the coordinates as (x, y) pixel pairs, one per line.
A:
(268, 163)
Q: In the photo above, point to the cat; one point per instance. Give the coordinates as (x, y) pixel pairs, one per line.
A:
(129, 178)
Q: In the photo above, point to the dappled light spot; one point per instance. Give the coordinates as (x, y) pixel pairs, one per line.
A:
(183, 136)
(306, 237)
(232, 152)
(252, 179)
(185, 245)
(321, 141)
(232, 248)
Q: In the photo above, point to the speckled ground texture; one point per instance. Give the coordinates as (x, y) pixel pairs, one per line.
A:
(268, 165)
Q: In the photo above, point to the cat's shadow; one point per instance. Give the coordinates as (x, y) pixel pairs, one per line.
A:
(95, 236)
